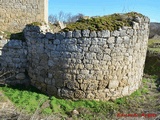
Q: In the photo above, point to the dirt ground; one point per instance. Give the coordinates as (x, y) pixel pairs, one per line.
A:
(147, 106)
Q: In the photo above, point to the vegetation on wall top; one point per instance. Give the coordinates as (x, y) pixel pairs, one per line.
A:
(35, 24)
(109, 22)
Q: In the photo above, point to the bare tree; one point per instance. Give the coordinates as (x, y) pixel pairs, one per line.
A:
(64, 17)
(69, 17)
(76, 17)
(53, 18)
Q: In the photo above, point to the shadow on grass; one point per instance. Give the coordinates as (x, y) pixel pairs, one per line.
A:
(23, 87)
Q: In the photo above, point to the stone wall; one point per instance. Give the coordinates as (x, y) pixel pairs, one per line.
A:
(13, 61)
(87, 64)
(15, 14)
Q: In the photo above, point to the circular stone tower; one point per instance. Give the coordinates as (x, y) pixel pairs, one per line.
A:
(85, 64)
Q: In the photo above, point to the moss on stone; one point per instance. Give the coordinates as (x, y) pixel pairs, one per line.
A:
(109, 22)
(35, 24)
(13, 36)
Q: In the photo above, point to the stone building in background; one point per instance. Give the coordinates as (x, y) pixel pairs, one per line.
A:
(15, 14)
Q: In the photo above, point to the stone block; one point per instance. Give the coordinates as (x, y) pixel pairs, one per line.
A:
(94, 41)
(69, 34)
(115, 33)
(135, 25)
(105, 33)
(85, 33)
(69, 41)
(72, 48)
(48, 81)
(93, 34)
(20, 76)
(92, 86)
(77, 34)
(111, 40)
(123, 33)
(99, 34)
(137, 19)
(130, 32)
(60, 36)
(56, 42)
(88, 66)
(106, 57)
(84, 72)
(102, 41)
(73, 85)
(79, 94)
(125, 91)
(50, 35)
(119, 40)
(95, 48)
(90, 96)
(126, 39)
(66, 93)
(90, 56)
(113, 84)
(52, 90)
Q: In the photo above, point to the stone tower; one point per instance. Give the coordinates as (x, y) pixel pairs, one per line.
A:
(15, 14)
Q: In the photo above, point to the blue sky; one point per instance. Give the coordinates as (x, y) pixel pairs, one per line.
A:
(150, 8)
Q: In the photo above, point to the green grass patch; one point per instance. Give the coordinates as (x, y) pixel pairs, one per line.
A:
(88, 109)
(154, 50)
(152, 41)
(7, 34)
(62, 106)
(26, 100)
(110, 22)
(47, 111)
(30, 101)
(14, 36)
(121, 100)
(151, 48)
(137, 93)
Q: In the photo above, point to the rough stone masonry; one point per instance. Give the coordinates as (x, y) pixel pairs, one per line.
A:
(15, 14)
(85, 64)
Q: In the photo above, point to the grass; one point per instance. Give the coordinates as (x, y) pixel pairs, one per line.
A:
(110, 22)
(152, 62)
(26, 100)
(35, 24)
(151, 49)
(154, 50)
(6, 34)
(152, 41)
(30, 101)
(14, 36)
